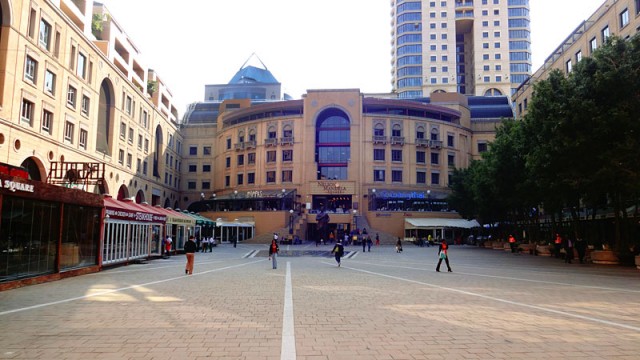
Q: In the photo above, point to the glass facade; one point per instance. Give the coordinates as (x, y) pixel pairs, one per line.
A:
(333, 145)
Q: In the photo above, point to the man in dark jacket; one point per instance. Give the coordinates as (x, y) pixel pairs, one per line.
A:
(190, 248)
(338, 251)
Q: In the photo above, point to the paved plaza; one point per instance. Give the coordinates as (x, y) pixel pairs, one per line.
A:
(377, 305)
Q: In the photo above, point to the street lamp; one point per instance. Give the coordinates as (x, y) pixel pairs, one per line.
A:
(429, 200)
(355, 218)
(291, 221)
(201, 196)
(373, 206)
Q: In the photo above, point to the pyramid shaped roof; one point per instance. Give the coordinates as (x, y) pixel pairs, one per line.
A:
(251, 74)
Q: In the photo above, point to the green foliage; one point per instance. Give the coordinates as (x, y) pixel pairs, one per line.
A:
(578, 145)
(152, 86)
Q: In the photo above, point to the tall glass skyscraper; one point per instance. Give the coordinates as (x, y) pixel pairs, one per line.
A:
(473, 47)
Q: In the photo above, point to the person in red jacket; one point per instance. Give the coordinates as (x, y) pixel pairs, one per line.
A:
(443, 253)
(512, 243)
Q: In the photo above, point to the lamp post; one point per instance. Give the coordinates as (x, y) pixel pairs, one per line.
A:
(374, 206)
(355, 218)
(429, 200)
(291, 221)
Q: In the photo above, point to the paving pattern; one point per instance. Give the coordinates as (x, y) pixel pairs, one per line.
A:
(377, 305)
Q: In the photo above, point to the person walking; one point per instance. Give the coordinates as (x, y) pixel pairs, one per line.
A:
(568, 248)
(369, 242)
(512, 244)
(377, 239)
(167, 245)
(557, 245)
(190, 249)
(443, 254)
(338, 251)
(273, 253)
(364, 244)
(399, 245)
(581, 248)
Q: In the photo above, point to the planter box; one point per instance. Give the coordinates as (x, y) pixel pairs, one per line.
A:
(527, 248)
(638, 262)
(606, 257)
(488, 244)
(498, 245)
(543, 250)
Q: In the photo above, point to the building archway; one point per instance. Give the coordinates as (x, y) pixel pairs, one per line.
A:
(123, 192)
(35, 168)
(140, 197)
(157, 154)
(493, 92)
(167, 203)
(333, 144)
(106, 112)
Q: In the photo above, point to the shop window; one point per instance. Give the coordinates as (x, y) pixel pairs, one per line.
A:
(271, 177)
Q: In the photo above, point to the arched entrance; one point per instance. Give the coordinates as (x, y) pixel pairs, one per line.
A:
(123, 192)
(140, 197)
(105, 113)
(35, 168)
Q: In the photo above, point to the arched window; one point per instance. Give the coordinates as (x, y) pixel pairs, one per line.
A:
(493, 92)
(271, 133)
(105, 106)
(252, 135)
(378, 130)
(420, 132)
(241, 136)
(333, 144)
(287, 131)
(396, 130)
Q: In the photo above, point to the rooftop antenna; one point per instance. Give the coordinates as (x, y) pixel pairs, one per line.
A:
(253, 54)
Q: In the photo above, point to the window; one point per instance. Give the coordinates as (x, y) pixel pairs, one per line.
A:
(240, 160)
(450, 138)
(138, 165)
(206, 150)
(251, 158)
(128, 103)
(593, 45)
(637, 7)
(50, 82)
(485, 34)
(271, 177)
(131, 135)
(287, 155)
(206, 185)
(227, 162)
(145, 166)
(240, 179)
(271, 156)
(421, 177)
(435, 158)
(191, 185)
(45, 34)
(47, 121)
(451, 159)
(32, 23)
(86, 102)
(251, 178)
(30, 70)
(26, 112)
(568, 66)
(71, 96)
(83, 138)
(123, 130)
(482, 146)
(193, 150)
(144, 117)
(193, 168)
(435, 178)
(81, 70)
(579, 54)
(624, 18)
(287, 176)
(139, 142)
(206, 168)
(396, 155)
(496, 34)
(605, 34)
(228, 143)
(129, 159)
(378, 154)
(378, 175)
(421, 157)
(146, 146)
(68, 135)
(396, 175)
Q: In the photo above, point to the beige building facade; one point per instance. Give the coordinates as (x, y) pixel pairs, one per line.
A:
(78, 104)
(613, 17)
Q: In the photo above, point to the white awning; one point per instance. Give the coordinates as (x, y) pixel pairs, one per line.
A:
(439, 223)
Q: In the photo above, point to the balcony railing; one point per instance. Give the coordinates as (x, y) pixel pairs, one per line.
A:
(422, 142)
(379, 139)
(238, 146)
(435, 144)
(270, 142)
(286, 140)
(397, 140)
(249, 144)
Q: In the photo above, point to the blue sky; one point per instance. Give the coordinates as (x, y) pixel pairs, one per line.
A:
(305, 44)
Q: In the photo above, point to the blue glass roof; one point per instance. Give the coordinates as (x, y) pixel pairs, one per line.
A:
(484, 107)
(251, 74)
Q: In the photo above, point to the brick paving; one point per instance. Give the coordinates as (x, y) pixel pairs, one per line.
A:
(378, 305)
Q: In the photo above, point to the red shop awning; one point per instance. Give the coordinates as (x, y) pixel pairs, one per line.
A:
(128, 210)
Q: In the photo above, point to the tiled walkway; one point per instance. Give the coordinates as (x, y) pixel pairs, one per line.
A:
(378, 305)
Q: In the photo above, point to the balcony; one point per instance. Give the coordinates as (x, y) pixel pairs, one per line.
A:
(464, 4)
(379, 139)
(238, 146)
(271, 142)
(397, 140)
(286, 140)
(422, 142)
(435, 144)
(251, 144)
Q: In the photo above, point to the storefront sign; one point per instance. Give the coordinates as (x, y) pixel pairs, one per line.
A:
(17, 186)
(122, 214)
(332, 187)
(387, 194)
(254, 194)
